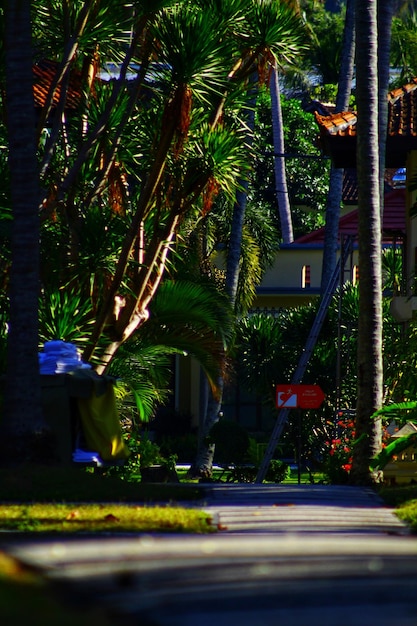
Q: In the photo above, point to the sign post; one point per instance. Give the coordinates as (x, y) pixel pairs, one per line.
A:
(299, 397)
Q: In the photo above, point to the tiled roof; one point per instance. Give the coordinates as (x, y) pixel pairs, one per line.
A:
(44, 73)
(342, 124)
(338, 131)
(402, 107)
(393, 221)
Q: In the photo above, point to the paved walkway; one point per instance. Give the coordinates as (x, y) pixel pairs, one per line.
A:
(301, 555)
(300, 508)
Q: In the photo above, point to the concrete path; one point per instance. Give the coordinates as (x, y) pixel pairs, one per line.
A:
(300, 508)
(302, 555)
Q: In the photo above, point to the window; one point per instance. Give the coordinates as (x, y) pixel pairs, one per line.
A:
(305, 277)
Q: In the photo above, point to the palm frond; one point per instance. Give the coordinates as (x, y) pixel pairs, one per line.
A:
(250, 275)
(64, 315)
(191, 45)
(219, 154)
(191, 305)
(399, 410)
(273, 26)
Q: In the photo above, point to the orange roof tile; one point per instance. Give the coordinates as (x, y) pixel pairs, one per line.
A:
(402, 115)
(44, 73)
(402, 107)
(338, 123)
(338, 131)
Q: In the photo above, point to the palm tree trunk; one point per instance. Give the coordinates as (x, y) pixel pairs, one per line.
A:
(334, 198)
(23, 437)
(369, 365)
(385, 14)
(281, 190)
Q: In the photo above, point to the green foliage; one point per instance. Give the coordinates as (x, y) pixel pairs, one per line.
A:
(391, 450)
(183, 447)
(408, 513)
(404, 46)
(64, 315)
(326, 48)
(399, 412)
(307, 178)
(260, 354)
(186, 318)
(143, 454)
(277, 471)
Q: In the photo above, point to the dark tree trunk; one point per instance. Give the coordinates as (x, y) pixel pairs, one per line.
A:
(368, 431)
(385, 14)
(23, 434)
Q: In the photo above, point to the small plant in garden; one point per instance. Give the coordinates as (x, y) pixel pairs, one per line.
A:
(278, 471)
(143, 453)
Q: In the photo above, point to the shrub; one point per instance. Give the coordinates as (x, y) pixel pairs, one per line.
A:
(277, 471)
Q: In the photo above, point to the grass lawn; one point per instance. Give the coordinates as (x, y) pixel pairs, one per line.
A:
(404, 500)
(54, 500)
(71, 500)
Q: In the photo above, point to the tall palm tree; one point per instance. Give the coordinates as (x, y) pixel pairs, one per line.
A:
(384, 15)
(281, 191)
(334, 198)
(22, 429)
(369, 366)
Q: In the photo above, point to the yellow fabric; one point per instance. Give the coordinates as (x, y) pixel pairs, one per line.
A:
(101, 425)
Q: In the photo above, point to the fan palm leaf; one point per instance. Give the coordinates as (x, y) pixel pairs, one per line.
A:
(186, 319)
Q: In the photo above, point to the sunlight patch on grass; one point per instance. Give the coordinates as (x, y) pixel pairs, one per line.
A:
(408, 513)
(92, 518)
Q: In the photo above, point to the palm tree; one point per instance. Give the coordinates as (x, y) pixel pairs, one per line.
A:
(283, 202)
(370, 298)
(155, 151)
(336, 174)
(385, 14)
(22, 429)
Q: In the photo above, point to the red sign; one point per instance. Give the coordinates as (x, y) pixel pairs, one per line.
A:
(299, 396)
